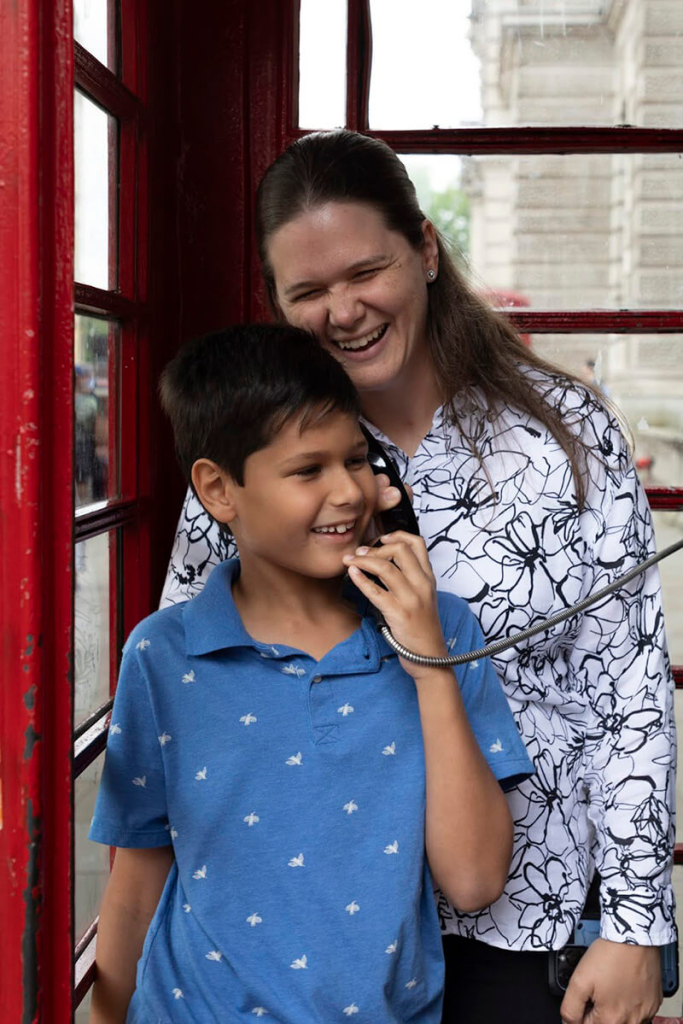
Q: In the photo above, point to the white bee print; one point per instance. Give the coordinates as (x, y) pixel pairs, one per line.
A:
(496, 748)
(189, 677)
(143, 644)
(392, 947)
(248, 718)
(214, 954)
(294, 670)
(474, 664)
(352, 908)
(451, 642)
(392, 847)
(201, 774)
(345, 709)
(294, 759)
(178, 993)
(164, 739)
(115, 729)
(350, 1010)
(412, 983)
(254, 919)
(200, 872)
(300, 964)
(174, 833)
(350, 807)
(390, 749)
(187, 908)
(297, 862)
(260, 1011)
(140, 780)
(251, 819)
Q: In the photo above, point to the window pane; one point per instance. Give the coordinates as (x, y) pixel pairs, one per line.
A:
(92, 623)
(82, 1015)
(564, 232)
(94, 29)
(95, 165)
(669, 530)
(91, 859)
(95, 409)
(322, 64)
(424, 71)
(517, 62)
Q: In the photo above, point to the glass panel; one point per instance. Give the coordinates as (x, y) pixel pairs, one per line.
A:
(93, 28)
(519, 62)
(322, 64)
(424, 71)
(82, 1015)
(643, 375)
(95, 167)
(564, 232)
(669, 530)
(91, 859)
(95, 433)
(92, 623)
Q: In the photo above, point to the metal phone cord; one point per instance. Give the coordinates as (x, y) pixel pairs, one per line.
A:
(518, 638)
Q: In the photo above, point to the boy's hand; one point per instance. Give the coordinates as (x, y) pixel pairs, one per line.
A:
(409, 601)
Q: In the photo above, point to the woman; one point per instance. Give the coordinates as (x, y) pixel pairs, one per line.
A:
(528, 501)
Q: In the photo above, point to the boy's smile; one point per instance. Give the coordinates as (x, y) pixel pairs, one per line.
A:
(307, 497)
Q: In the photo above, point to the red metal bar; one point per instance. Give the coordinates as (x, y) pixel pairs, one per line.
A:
(103, 86)
(597, 321)
(473, 141)
(84, 963)
(89, 299)
(669, 499)
(678, 677)
(36, 346)
(358, 64)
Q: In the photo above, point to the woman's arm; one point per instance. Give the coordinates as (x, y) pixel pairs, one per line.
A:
(130, 900)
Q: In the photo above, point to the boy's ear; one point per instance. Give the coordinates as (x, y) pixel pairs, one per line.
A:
(214, 489)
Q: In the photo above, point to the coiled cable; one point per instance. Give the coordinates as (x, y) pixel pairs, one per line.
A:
(503, 645)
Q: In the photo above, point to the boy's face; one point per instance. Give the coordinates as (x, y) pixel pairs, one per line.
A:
(307, 498)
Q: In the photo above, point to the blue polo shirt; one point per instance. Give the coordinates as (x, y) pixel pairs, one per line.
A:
(293, 792)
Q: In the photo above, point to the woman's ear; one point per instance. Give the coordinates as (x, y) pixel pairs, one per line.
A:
(214, 489)
(430, 247)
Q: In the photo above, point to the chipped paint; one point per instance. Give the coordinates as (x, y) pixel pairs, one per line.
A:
(30, 696)
(32, 901)
(31, 737)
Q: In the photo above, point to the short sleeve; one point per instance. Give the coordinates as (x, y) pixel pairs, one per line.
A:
(199, 546)
(488, 711)
(131, 807)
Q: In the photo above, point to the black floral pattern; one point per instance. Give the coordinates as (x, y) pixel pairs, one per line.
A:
(593, 697)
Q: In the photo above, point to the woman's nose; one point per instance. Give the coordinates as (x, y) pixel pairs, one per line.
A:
(344, 309)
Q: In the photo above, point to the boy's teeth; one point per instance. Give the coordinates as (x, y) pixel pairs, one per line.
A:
(361, 342)
(334, 529)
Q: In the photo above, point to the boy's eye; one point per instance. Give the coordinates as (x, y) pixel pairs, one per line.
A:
(358, 461)
(307, 471)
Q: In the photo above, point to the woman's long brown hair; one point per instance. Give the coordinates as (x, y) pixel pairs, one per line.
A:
(472, 346)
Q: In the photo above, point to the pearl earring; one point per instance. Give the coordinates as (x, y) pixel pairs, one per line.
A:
(431, 275)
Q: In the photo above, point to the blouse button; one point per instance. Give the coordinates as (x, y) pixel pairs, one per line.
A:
(317, 679)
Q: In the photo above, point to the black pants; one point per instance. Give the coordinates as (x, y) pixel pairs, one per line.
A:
(485, 985)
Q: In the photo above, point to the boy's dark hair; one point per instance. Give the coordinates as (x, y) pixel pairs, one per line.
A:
(228, 393)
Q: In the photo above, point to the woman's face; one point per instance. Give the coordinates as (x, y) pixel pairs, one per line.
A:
(361, 288)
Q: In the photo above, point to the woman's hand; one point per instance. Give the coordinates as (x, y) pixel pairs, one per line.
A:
(614, 983)
(388, 497)
(409, 601)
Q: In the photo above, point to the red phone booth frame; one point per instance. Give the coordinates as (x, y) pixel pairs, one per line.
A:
(210, 279)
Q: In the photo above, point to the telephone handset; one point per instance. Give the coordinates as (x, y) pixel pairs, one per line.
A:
(401, 517)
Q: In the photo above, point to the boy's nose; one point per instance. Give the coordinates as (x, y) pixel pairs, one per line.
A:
(346, 492)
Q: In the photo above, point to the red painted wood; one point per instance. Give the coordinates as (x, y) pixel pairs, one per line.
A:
(36, 512)
(597, 321)
(358, 64)
(473, 141)
(665, 498)
(103, 85)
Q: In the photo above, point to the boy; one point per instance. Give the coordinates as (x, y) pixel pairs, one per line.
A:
(273, 774)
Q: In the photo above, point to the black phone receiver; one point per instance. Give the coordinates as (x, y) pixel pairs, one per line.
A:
(401, 517)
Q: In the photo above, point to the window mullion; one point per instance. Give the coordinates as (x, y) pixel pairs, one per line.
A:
(358, 64)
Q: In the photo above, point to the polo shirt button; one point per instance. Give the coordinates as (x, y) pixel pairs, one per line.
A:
(317, 679)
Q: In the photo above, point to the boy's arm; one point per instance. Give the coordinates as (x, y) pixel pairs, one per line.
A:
(468, 828)
(130, 900)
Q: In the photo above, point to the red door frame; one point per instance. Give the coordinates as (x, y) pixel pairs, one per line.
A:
(36, 507)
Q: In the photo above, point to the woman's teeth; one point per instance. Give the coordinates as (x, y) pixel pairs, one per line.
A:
(344, 528)
(363, 342)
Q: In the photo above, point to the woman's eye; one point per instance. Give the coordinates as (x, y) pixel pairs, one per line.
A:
(364, 274)
(305, 296)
